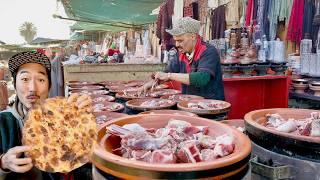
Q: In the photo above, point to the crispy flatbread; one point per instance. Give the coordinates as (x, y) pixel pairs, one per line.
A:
(61, 135)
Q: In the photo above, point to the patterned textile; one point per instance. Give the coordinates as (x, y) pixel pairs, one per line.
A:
(185, 25)
(28, 57)
(218, 22)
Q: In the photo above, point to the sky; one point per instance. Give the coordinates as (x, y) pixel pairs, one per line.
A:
(13, 13)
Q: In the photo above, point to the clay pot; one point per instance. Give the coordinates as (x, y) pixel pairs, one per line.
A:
(107, 104)
(85, 87)
(316, 89)
(102, 98)
(130, 95)
(299, 81)
(290, 144)
(234, 122)
(90, 92)
(135, 104)
(181, 97)
(300, 88)
(222, 168)
(3, 95)
(183, 105)
(104, 116)
(162, 92)
(173, 112)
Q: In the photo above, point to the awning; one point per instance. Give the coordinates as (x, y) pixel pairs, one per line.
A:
(110, 15)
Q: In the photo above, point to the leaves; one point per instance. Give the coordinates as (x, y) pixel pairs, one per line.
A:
(28, 31)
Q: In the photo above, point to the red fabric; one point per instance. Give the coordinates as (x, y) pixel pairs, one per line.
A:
(249, 12)
(199, 49)
(67, 176)
(111, 52)
(296, 22)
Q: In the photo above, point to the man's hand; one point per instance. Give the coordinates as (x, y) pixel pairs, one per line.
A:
(162, 76)
(12, 162)
(144, 89)
(82, 101)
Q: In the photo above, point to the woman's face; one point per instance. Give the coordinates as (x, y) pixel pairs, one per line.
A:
(32, 84)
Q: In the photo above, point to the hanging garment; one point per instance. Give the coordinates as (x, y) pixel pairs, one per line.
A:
(260, 15)
(218, 22)
(164, 22)
(296, 22)
(255, 11)
(249, 12)
(57, 81)
(285, 9)
(308, 14)
(187, 8)
(177, 10)
(203, 4)
(266, 23)
(195, 10)
(232, 12)
(274, 12)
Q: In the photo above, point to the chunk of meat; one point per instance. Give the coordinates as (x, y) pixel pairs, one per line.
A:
(274, 120)
(189, 152)
(208, 155)
(174, 123)
(224, 146)
(163, 157)
(315, 128)
(288, 126)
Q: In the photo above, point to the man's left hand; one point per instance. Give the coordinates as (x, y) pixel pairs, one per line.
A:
(162, 76)
(82, 101)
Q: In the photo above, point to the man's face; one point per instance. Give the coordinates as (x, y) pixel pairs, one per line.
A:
(32, 84)
(185, 42)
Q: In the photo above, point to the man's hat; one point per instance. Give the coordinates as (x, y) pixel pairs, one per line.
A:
(184, 25)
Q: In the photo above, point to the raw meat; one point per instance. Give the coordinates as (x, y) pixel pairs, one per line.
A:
(178, 142)
(288, 126)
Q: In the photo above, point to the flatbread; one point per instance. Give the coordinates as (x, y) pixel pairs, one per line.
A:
(61, 135)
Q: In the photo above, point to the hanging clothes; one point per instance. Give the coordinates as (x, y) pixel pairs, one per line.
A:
(296, 22)
(164, 22)
(203, 4)
(57, 81)
(177, 10)
(187, 8)
(195, 10)
(232, 12)
(249, 12)
(308, 14)
(255, 11)
(218, 22)
(260, 15)
(285, 9)
(273, 14)
(266, 23)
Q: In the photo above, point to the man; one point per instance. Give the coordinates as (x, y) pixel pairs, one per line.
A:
(31, 75)
(197, 66)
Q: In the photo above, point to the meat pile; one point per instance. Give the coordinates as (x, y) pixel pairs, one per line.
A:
(156, 103)
(102, 107)
(177, 142)
(163, 92)
(306, 127)
(206, 105)
(178, 97)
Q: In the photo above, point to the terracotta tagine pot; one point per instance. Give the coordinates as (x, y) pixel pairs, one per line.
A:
(169, 111)
(224, 107)
(289, 144)
(102, 98)
(181, 97)
(228, 167)
(136, 104)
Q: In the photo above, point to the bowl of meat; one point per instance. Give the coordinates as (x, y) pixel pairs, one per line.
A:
(204, 106)
(90, 92)
(104, 116)
(162, 92)
(107, 106)
(128, 95)
(293, 132)
(169, 111)
(171, 147)
(147, 104)
(101, 98)
(181, 97)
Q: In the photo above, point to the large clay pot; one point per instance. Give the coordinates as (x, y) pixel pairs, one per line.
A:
(290, 144)
(225, 107)
(169, 111)
(3, 95)
(227, 167)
